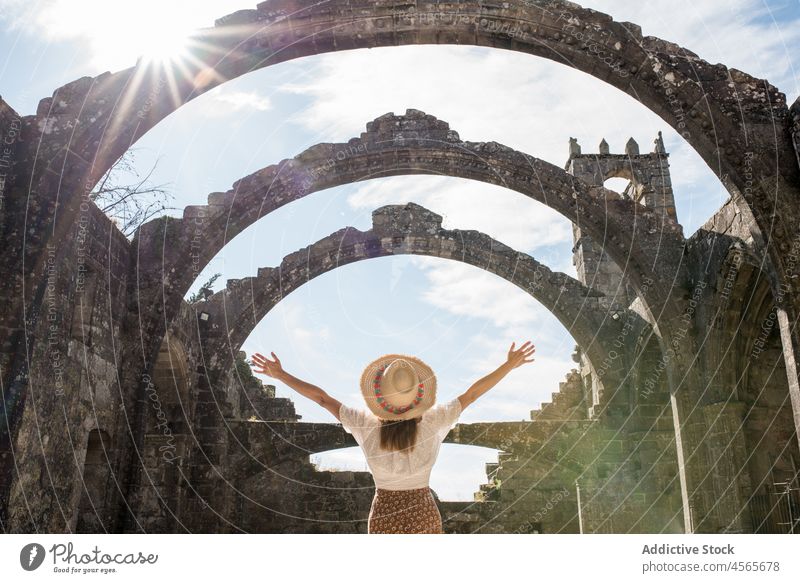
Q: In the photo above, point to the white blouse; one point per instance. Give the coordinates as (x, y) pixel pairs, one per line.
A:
(401, 470)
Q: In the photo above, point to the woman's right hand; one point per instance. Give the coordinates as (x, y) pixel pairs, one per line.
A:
(519, 357)
(267, 367)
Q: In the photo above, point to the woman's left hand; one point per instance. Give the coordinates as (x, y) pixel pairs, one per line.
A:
(520, 356)
(267, 367)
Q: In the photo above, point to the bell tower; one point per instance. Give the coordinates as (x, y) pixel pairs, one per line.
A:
(649, 184)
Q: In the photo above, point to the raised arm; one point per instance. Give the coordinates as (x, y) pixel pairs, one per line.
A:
(274, 369)
(515, 358)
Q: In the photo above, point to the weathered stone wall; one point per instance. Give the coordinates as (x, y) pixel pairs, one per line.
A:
(214, 460)
(743, 399)
(73, 372)
(221, 454)
(102, 362)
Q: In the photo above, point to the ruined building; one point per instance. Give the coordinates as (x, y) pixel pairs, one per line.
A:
(127, 409)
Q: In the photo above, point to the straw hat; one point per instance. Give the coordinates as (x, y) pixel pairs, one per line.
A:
(398, 386)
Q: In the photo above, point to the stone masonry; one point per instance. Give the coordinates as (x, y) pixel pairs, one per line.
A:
(127, 409)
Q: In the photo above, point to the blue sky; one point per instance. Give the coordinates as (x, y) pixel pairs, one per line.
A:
(456, 317)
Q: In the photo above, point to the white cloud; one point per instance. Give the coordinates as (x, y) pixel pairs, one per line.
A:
(466, 290)
(306, 344)
(237, 101)
(232, 106)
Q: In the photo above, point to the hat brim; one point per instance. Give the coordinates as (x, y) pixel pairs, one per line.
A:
(424, 373)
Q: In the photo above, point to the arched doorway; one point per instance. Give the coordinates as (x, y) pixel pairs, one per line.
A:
(92, 509)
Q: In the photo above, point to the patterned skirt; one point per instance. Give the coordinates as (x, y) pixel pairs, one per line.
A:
(404, 511)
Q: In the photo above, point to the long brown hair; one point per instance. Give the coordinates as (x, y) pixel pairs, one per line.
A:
(399, 435)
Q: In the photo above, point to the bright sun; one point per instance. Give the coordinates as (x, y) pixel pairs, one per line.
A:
(166, 45)
(118, 33)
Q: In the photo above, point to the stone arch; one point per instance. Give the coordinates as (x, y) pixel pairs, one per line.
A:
(635, 187)
(756, 116)
(619, 183)
(414, 143)
(693, 96)
(728, 116)
(231, 314)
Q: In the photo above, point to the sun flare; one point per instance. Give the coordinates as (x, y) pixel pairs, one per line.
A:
(117, 34)
(163, 46)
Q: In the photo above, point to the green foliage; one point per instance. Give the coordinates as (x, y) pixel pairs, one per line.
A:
(204, 290)
(243, 369)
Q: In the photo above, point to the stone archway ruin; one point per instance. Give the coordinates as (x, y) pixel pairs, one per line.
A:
(688, 93)
(685, 91)
(414, 143)
(741, 126)
(231, 314)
